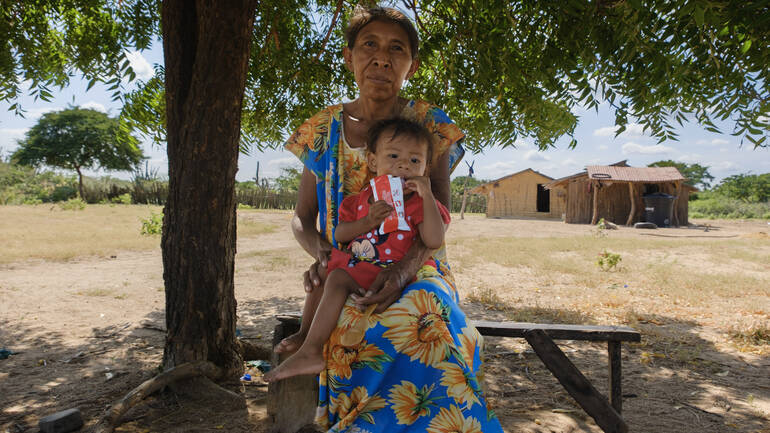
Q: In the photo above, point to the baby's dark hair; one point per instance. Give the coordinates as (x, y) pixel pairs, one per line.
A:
(399, 126)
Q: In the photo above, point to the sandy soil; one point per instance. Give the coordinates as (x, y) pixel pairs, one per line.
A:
(87, 331)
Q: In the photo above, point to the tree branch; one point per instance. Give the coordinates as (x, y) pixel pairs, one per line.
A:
(326, 38)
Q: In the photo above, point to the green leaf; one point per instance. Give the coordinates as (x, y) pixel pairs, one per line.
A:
(746, 45)
(699, 15)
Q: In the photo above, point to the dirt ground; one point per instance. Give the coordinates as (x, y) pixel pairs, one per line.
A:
(89, 330)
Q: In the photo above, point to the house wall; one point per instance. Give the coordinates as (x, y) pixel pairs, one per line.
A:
(614, 204)
(516, 196)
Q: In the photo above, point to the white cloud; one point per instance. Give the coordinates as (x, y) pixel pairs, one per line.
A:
(534, 155)
(633, 148)
(690, 158)
(725, 166)
(603, 147)
(283, 162)
(141, 67)
(569, 162)
(723, 149)
(632, 130)
(521, 144)
(718, 142)
(496, 170)
(36, 113)
(94, 106)
(9, 137)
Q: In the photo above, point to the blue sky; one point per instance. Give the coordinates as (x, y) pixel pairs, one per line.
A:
(595, 135)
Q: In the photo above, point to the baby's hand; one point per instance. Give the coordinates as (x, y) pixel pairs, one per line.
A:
(378, 211)
(420, 185)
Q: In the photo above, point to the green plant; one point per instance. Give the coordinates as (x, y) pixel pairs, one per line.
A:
(152, 225)
(600, 229)
(608, 261)
(122, 199)
(73, 204)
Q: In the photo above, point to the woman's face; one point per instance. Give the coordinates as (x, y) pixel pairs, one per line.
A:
(381, 59)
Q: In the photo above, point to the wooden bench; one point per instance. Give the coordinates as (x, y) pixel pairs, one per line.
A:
(291, 403)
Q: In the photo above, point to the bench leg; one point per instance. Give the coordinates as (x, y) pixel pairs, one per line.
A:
(616, 391)
(595, 404)
(291, 403)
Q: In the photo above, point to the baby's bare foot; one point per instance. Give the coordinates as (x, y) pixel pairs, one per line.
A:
(298, 364)
(290, 344)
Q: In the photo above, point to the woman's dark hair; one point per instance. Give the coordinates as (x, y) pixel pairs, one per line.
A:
(363, 16)
(399, 126)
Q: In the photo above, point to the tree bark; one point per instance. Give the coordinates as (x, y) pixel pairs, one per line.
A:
(80, 183)
(206, 53)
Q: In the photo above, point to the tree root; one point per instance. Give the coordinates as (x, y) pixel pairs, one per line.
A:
(183, 371)
(251, 352)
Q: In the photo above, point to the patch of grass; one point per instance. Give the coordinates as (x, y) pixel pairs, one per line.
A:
(44, 232)
(96, 292)
(488, 298)
(248, 227)
(756, 334)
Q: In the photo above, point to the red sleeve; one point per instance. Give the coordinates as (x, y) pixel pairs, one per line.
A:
(414, 210)
(348, 207)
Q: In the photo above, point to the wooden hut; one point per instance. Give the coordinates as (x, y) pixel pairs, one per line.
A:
(615, 193)
(522, 194)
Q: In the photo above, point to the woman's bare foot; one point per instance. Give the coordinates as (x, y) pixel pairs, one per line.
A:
(290, 344)
(302, 362)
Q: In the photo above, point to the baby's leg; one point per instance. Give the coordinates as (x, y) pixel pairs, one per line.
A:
(309, 358)
(294, 341)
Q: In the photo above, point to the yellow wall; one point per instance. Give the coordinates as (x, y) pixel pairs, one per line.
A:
(517, 196)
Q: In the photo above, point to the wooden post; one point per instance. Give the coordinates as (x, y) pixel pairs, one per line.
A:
(595, 211)
(616, 390)
(595, 404)
(291, 402)
(465, 194)
(677, 193)
(633, 204)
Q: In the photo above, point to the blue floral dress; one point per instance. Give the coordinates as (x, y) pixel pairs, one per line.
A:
(417, 368)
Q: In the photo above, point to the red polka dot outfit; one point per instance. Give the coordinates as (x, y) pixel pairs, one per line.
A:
(369, 253)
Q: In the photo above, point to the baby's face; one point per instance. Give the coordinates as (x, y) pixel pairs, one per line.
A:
(401, 156)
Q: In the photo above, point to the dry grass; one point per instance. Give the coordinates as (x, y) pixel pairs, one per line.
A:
(46, 232)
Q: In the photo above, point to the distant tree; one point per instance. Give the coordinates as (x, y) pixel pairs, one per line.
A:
(77, 139)
(696, 174)
(289, 179)
(750, 188)
(459, 182)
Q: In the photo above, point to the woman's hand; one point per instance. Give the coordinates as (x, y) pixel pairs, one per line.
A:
(316, 274)
(386, 288)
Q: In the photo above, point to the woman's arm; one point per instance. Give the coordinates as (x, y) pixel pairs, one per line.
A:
(305, 230)
(439, 180)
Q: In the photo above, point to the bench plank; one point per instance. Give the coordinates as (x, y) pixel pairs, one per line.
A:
(558, 331)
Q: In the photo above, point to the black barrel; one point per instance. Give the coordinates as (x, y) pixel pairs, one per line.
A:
(659, 209)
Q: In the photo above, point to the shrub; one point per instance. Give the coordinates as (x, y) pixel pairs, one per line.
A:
(124, 198)
(715, 205)
(63, 193)
(152, 225)
(72, 204)
(608, 261)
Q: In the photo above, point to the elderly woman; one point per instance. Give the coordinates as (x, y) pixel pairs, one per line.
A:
(416, 368)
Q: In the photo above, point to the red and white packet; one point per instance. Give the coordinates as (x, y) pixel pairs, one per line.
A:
(391, 189)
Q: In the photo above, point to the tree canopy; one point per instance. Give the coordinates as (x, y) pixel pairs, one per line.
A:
(749, 188)
(503, 70)
(76, 139)
(696, 174)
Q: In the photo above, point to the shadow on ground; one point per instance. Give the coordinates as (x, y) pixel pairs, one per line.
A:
(673, 381)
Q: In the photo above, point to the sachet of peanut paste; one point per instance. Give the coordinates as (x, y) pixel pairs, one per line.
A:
(391, 189)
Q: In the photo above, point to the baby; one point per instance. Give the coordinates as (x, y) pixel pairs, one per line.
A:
(396, 147)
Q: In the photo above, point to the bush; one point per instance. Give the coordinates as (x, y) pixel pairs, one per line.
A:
(716, 205)
(63, 193)
(72, 204)
(122, 199)
(152, 225)
(608, 261)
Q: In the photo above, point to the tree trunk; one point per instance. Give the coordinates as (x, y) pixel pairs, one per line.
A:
(80, 183)
(206, 53)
